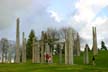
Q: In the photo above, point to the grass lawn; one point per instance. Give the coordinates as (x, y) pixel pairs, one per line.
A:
(101, 65)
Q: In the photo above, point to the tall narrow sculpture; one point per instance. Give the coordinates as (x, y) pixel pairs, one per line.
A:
(23, 48)
(42, 47)
(78, 45)
(37, 53)
(17, 41)
(66, 52)
(69, 47)
(33, 51)
(86, 57)
(60, 54)
(47, 51)
(95, 50)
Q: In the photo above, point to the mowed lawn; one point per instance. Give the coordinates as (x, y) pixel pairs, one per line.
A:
(101, 65)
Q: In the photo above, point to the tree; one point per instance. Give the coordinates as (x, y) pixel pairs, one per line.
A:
(52, 36)
(29, 44)
(59, 35)
(52, 33)
(103, 47)
(5, 45)
(63, 31)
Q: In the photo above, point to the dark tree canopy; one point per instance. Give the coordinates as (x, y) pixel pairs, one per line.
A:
(29, 44)
(103, 47)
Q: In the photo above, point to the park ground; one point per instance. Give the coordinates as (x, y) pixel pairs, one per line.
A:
(79, 66)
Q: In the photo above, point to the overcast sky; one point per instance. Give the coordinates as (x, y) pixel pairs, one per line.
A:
(40, 14)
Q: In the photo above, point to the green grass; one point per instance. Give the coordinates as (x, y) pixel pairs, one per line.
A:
(101, 65)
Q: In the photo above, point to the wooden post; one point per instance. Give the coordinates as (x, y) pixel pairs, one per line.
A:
(17, 41)
(37, 53)
(23, 49)
(42, 47)
(86, 58)
(78, 45)
(69, 47)
(66, 52)
(33, 51)
(95, 50)
(60, 57)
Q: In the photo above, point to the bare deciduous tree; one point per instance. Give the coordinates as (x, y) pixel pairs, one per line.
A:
(4, 43)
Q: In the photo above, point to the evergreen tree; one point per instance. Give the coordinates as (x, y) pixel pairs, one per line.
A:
(29, 44)
(103, 47)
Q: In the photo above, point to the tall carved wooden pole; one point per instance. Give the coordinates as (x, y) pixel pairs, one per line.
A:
(37, 52)
(60, 54)
(78, 45)
(23, 48)
(17, 41)
(95, 50)
(86, 56)
(66, 51)
(42, 47)
(69, 47)
(71, 43)
(33, 51)
(51, 55)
